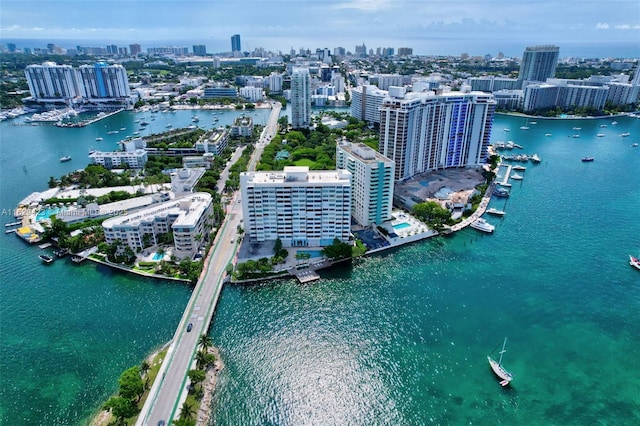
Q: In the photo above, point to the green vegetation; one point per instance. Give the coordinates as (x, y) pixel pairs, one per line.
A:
(337, 250)
(59, 231)
(178, 138)
(252, 269)
(431, 213)
(130, 390)
(93, 176)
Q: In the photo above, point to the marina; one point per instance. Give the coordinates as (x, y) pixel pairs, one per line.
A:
(339, 316)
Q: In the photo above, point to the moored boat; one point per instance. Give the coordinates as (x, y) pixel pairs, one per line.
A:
(600, 135)
(635, 262)
(587, 159)
(498, 369)
(482, 225)
(495, 211)
(535, 158)
(501, 192)
(518, 167)
(45, 258)
(516, 176)
(65, 159)
(98, 139)
(625, 134)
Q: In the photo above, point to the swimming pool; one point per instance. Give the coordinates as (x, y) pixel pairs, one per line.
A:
(401, 225)
(157, 256)
(47, 213)
(312, 253)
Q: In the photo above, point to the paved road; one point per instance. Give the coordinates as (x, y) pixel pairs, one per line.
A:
(164, 398)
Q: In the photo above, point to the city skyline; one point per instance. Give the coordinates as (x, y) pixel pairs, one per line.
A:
(445, 28)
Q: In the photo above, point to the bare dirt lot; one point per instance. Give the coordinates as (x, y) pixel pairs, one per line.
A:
(459, 183)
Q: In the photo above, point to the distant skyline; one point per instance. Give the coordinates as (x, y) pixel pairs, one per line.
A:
(434, 27)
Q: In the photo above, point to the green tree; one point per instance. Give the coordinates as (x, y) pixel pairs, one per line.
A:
(205, 342)
(131, 385)
(197, 376)
(121, 408)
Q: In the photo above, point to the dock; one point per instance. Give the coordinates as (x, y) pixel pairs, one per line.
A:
(306, 276)
(45, 245)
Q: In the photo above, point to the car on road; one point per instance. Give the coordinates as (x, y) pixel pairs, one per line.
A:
(189, 327)
(161, 423)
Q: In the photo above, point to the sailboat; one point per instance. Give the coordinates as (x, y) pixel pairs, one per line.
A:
(497, 368)
(526, 126)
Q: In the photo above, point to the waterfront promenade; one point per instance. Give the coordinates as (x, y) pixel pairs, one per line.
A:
(163, 402)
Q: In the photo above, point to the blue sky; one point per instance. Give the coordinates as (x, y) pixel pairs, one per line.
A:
(429, 26)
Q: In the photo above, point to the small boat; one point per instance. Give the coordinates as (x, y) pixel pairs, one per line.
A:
(534, 122)
(65, 158)
(603, 125)
(575, 136)
(169, 125)
(535, 158)
(635, 262)
(61, 252)
(506, 130)
(112, 132)
(587, 159)
(98, 139)
(122, 129)
(518, 167)
(625, 134)
(577, 128)
(46, 259)
(482, 225)
(495, 211)
(498, 369)
(634, 144)
(600, 135)
(613, 123)
(516, 176)
(501, 192)
(505, 184)
(92, 151)
(524, 127)
(547, 134)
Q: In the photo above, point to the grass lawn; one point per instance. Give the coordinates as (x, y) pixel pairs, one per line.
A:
(305, 162)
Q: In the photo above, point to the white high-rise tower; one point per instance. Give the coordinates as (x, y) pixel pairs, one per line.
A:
(300, 98)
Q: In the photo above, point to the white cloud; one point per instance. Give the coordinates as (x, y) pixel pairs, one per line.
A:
(627, 27)
(364, 5)
(602, 26)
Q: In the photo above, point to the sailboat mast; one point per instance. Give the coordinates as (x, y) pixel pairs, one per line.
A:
(502, 351)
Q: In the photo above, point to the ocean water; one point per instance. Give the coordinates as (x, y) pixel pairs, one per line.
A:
(396, 338)
(402, 337)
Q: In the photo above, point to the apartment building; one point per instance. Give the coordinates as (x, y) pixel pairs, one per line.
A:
(372, 180)
(423, 131)
(300, 207)
(188, 218)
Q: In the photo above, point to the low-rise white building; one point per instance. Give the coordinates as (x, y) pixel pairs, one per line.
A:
(187, 217)
(253, 94)
(300, 207)
(116, 159)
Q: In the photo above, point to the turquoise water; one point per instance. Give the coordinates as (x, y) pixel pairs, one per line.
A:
(313, 253)
(397, 338)
(402, 337)
(47, 213)
(158, 256)
(401, 225)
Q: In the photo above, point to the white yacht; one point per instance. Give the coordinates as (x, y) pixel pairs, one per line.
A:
(482, 225)
(495, 211)
(516, 176)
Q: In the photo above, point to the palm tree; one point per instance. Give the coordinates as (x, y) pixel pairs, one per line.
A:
(187, 411)
(144, 369)
(205, 341)
(201, 359)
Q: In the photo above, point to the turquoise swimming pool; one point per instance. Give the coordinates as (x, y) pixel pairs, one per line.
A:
(157, 256)
(313, 253)
(47, 213)
(401, 225)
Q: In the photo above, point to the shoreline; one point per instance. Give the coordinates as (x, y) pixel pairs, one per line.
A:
(140, 273)
(569, 117)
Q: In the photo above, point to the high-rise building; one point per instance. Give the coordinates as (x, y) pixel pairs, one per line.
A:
(423, 131)
(235, 43)
(52, 81)
(300, 98)
(372, 179)
(102, 82)
(366, 101)
(275, 82)
(135, 49)
(539, 63)
(405, 51)
(200, 50)
(302, 208)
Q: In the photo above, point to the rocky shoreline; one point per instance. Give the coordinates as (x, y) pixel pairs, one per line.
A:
(209, 386)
